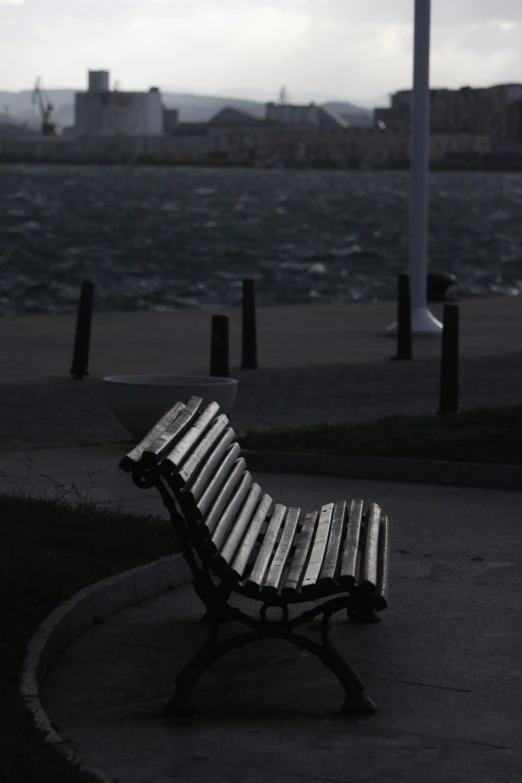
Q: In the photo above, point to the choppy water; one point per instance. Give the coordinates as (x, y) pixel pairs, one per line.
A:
(158, 238)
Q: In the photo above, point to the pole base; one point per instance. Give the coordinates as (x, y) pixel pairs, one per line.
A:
(423, 324)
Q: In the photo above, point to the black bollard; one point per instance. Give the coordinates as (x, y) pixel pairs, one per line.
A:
(219, 346)
(437, 285)
(249, 335)
(82, 338)
(404, 342)
(449, 361)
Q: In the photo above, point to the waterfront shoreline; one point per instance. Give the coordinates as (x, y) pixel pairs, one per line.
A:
(514, 167)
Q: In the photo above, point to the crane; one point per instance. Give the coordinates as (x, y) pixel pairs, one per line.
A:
(283, 96)
(46, 108)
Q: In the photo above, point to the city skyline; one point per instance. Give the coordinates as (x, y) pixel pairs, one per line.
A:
(345, 51)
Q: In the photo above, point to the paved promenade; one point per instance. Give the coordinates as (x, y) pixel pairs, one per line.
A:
(443, 666)
(316, 364)
(40, 347)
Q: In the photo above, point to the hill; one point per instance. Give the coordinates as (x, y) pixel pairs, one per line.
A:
(192, 108)
(10, 129)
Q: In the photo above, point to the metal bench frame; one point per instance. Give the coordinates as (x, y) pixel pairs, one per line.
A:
(214, 590)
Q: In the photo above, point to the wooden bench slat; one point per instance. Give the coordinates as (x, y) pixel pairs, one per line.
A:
(383, 559)
(243, 554)
(219, 527)
(368, 578)
(275, 574)
(233, 539)
(160, 445)
(328, 575)
(200, 477)
(322, 532)
(266, 551)
(196, 459)
(351, 544)
(299, 559)
(206, 485)
(221, 492)
(182, 449)
(131, 459)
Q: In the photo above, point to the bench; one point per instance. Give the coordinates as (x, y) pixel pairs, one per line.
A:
(237, 540)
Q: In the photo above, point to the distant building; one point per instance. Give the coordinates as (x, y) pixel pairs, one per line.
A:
(383, 117)
(98, 81)
(309, 117)
(230, 117)
(400, 114)
(445, 147)
(102, 112)
(502, 98)
(234, 136)
(471, 110)
(513, 130)
(372, 147)
(170, 120)
(189, 129)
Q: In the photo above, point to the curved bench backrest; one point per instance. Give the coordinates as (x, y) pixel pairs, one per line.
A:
(194, 449)
(239, 531)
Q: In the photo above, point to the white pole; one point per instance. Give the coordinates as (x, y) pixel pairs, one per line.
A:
(423, 323)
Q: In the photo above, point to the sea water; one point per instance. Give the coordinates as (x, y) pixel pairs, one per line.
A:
(156, 238)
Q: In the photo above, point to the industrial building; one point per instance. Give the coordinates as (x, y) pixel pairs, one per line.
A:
(312, 117)
(483, 110)
(470, 128)
(104, 112)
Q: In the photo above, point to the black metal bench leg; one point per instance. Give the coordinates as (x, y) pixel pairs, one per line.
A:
(222, 617)
(218, 608)
(214, 598)
(363, 615)
(359, 613)
(181, 704)
(355, 699)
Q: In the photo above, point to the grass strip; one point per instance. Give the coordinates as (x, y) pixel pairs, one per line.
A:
(486, 435)
(48, 551)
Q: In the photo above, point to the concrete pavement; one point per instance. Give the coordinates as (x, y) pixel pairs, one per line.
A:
(317, 364)
(40, 347)
(443, 666)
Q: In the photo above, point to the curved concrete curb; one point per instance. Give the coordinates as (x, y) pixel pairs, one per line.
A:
(463, 474)
(66, 622)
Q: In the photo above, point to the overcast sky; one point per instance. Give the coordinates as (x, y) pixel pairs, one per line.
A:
(348, 49)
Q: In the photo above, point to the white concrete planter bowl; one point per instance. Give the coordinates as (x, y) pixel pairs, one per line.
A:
(138, 401)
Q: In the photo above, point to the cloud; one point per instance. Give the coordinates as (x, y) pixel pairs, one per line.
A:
(507, 27)
(475, 54)
(213, 48)
(343, 48)
(444, 12)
